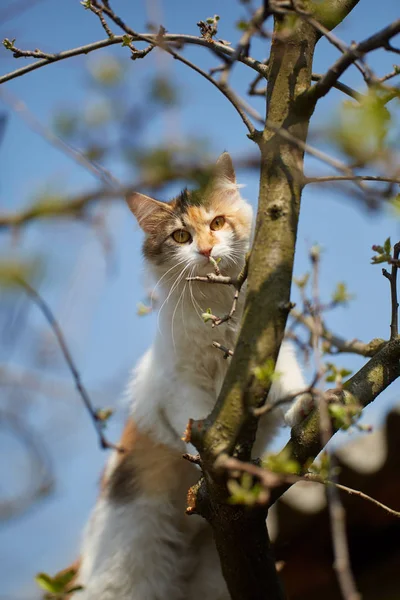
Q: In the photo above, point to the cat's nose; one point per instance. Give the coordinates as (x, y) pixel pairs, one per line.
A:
(205, 252)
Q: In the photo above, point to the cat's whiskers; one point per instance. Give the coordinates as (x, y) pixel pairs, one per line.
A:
(176, 307)
(173, 287)
(162, 277)
(195, 304)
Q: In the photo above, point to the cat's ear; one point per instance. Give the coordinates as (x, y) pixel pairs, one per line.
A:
(224, 169)
(148, 212)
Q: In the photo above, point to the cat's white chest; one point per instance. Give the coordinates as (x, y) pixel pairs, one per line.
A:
(182, 374)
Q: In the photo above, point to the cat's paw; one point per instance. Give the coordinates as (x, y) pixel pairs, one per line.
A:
(299, 410)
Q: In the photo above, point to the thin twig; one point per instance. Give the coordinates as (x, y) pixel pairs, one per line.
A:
(342, 87)
(319, 154)
(180, 39)
(224, 349)
(270, 479)
(396, 71)
(326, 178)
(392, 277)
(97, 10)
(338, 344)
(47, 313)
(378, 40)
(266, 408)
(237, 283)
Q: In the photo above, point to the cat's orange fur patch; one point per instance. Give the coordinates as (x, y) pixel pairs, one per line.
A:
(199, 218)
(146, 467)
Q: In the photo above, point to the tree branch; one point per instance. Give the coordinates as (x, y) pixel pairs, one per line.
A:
(392, 277)
(366, 385)
(336, 343)
(271, 479)
(180, 39)
(378, 40)
(97, 420)
(325, 178)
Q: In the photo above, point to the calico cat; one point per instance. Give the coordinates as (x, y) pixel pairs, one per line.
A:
(139, 544)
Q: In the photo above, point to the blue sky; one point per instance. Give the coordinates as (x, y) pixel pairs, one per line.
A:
(97, 305)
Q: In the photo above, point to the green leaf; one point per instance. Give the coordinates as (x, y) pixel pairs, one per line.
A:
(387, 246)
(47, 583)
(143, 309)
(126, 40)
(103, 414)
(244, 491)
(281, 463)
(266, 373)
(335, 374)
(301, 282)
(380, 258)
(64, 578)
(362, 127)
(341, 295)
(242, 25)
(207, 316)
(9, 44)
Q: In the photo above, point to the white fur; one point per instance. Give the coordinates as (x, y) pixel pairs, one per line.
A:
(147, 549)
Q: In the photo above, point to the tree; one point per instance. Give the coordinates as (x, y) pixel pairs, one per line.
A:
(285, 79)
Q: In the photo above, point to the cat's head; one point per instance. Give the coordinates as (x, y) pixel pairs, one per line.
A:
(214, 221)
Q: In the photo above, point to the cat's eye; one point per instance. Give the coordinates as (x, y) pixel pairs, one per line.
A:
(217, 223)
(181, 236)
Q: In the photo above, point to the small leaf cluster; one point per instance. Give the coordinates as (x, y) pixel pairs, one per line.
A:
(143, 309)
(209, 27)
(341, 294)
(245, 491)
(363, 127)
(103, 414)
(302, 281)
(9, 44)
(242, 25)
(334, 374)
(59, 586)
(266, 373)
(345, 414)
(383, 253)
(322, 467)
(281, 463)
(207, 315)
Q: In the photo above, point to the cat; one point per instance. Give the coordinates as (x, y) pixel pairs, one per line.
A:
(139, 544)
